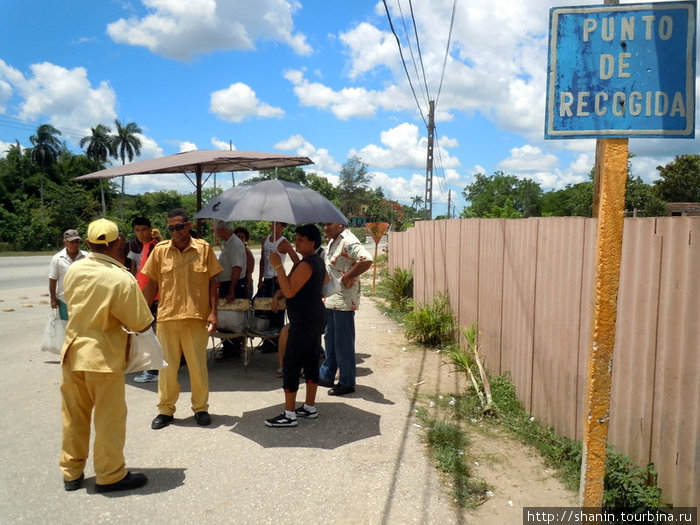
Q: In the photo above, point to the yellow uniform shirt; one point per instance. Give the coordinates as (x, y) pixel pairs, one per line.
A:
(183, 279)
(102, 296)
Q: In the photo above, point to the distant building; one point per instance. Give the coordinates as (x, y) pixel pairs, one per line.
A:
(684, 209)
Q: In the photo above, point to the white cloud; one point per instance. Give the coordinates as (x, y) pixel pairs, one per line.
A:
(528, 158)
(182, 29)
(404, 147)
(369, 48)
(239, 102)
(350, 102)
(323, 160)
(222, 144)
(186, 146)
(63, 96)
(4, 146)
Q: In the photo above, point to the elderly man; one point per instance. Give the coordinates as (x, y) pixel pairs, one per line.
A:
(232, 279)
(59, 266)
(183, 270)
(347, 258)
(102, 297)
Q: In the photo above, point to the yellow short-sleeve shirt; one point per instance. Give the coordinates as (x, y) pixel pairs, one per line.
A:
(183, 279)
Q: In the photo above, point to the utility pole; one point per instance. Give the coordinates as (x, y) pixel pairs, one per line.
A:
(429, 163)
(449, 203)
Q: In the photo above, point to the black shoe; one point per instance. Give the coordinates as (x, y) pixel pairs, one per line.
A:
(161, 421)
(327, 384)
(74, 484)
(340, 390)
(203, 419)
(128, 482)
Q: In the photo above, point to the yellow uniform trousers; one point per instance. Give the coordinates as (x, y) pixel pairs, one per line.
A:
(81, 392)
(188, 337)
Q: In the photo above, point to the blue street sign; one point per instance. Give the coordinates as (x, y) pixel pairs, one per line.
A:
(619, 71)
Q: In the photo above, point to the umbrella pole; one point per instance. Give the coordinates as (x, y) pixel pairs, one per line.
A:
(200, 222)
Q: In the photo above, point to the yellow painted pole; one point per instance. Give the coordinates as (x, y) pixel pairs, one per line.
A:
(612, 166)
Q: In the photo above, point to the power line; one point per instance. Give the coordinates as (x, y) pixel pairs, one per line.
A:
(447, 50)
(420, 56)
(403, 61)
(424, 88)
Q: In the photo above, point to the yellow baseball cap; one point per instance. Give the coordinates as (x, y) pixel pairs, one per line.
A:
(102, 231)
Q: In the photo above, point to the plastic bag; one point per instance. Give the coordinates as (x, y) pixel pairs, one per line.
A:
(145, 352)
(54, 334)
(332, 287)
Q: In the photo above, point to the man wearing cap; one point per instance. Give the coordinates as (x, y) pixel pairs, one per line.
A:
(59, 266)
(183, 270)
(102, 297)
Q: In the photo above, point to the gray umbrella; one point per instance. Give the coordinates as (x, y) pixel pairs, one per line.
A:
(272, 200)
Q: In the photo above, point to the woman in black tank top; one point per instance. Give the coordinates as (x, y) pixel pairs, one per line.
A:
(307, 320)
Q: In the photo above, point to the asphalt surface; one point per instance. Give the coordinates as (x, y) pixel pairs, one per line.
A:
(360, 462)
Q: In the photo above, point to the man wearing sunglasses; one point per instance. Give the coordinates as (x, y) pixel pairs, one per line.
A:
(183, 270)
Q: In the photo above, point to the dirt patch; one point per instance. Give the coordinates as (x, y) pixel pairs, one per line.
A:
(516, 472)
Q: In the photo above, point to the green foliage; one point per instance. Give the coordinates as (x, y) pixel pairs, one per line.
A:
(489, 196)
(679, 180)
(353, 187)
(397, 287)
(431, 324)
(447, 443)
(573, 201)
(629, 485)
(640, 199)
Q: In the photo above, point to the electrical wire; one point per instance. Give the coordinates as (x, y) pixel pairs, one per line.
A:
(447, 50)
(403, 61)
(420, 56)
(424, 86)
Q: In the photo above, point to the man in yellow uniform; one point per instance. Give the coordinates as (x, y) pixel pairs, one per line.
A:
(102, 297)
(184, 271)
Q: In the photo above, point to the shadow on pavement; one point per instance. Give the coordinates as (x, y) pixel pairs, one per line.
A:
(337, 424)
(159, 480)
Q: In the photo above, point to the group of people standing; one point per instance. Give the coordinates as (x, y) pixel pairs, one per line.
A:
(179, 281)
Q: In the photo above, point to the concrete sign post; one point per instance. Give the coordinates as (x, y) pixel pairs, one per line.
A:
(616, 72)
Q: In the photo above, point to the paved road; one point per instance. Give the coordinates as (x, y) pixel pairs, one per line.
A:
(360, 462)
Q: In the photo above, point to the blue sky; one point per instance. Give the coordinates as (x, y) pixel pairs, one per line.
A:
(319, 78)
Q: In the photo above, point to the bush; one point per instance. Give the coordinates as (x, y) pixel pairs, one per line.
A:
(431, 324)
(397, 287)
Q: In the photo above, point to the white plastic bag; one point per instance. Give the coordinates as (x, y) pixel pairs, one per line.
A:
(145, 352)
(54, 334)
(332, 287)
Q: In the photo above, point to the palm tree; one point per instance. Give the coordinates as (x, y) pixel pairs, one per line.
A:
(416, 201)
(45, 151)
(126, 145)
(100, 146)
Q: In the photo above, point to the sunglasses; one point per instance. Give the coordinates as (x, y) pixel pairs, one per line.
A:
(177, 227)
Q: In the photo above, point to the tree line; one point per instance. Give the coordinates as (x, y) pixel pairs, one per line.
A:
(506, 196)
(39, 200)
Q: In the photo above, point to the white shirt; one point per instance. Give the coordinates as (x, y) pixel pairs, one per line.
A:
(268, 247)
(59, 266)
(232, 254)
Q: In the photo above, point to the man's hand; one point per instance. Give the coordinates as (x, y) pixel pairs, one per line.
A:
(275, 259)
(212, 323)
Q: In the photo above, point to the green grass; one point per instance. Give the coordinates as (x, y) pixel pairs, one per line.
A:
(447, 444)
